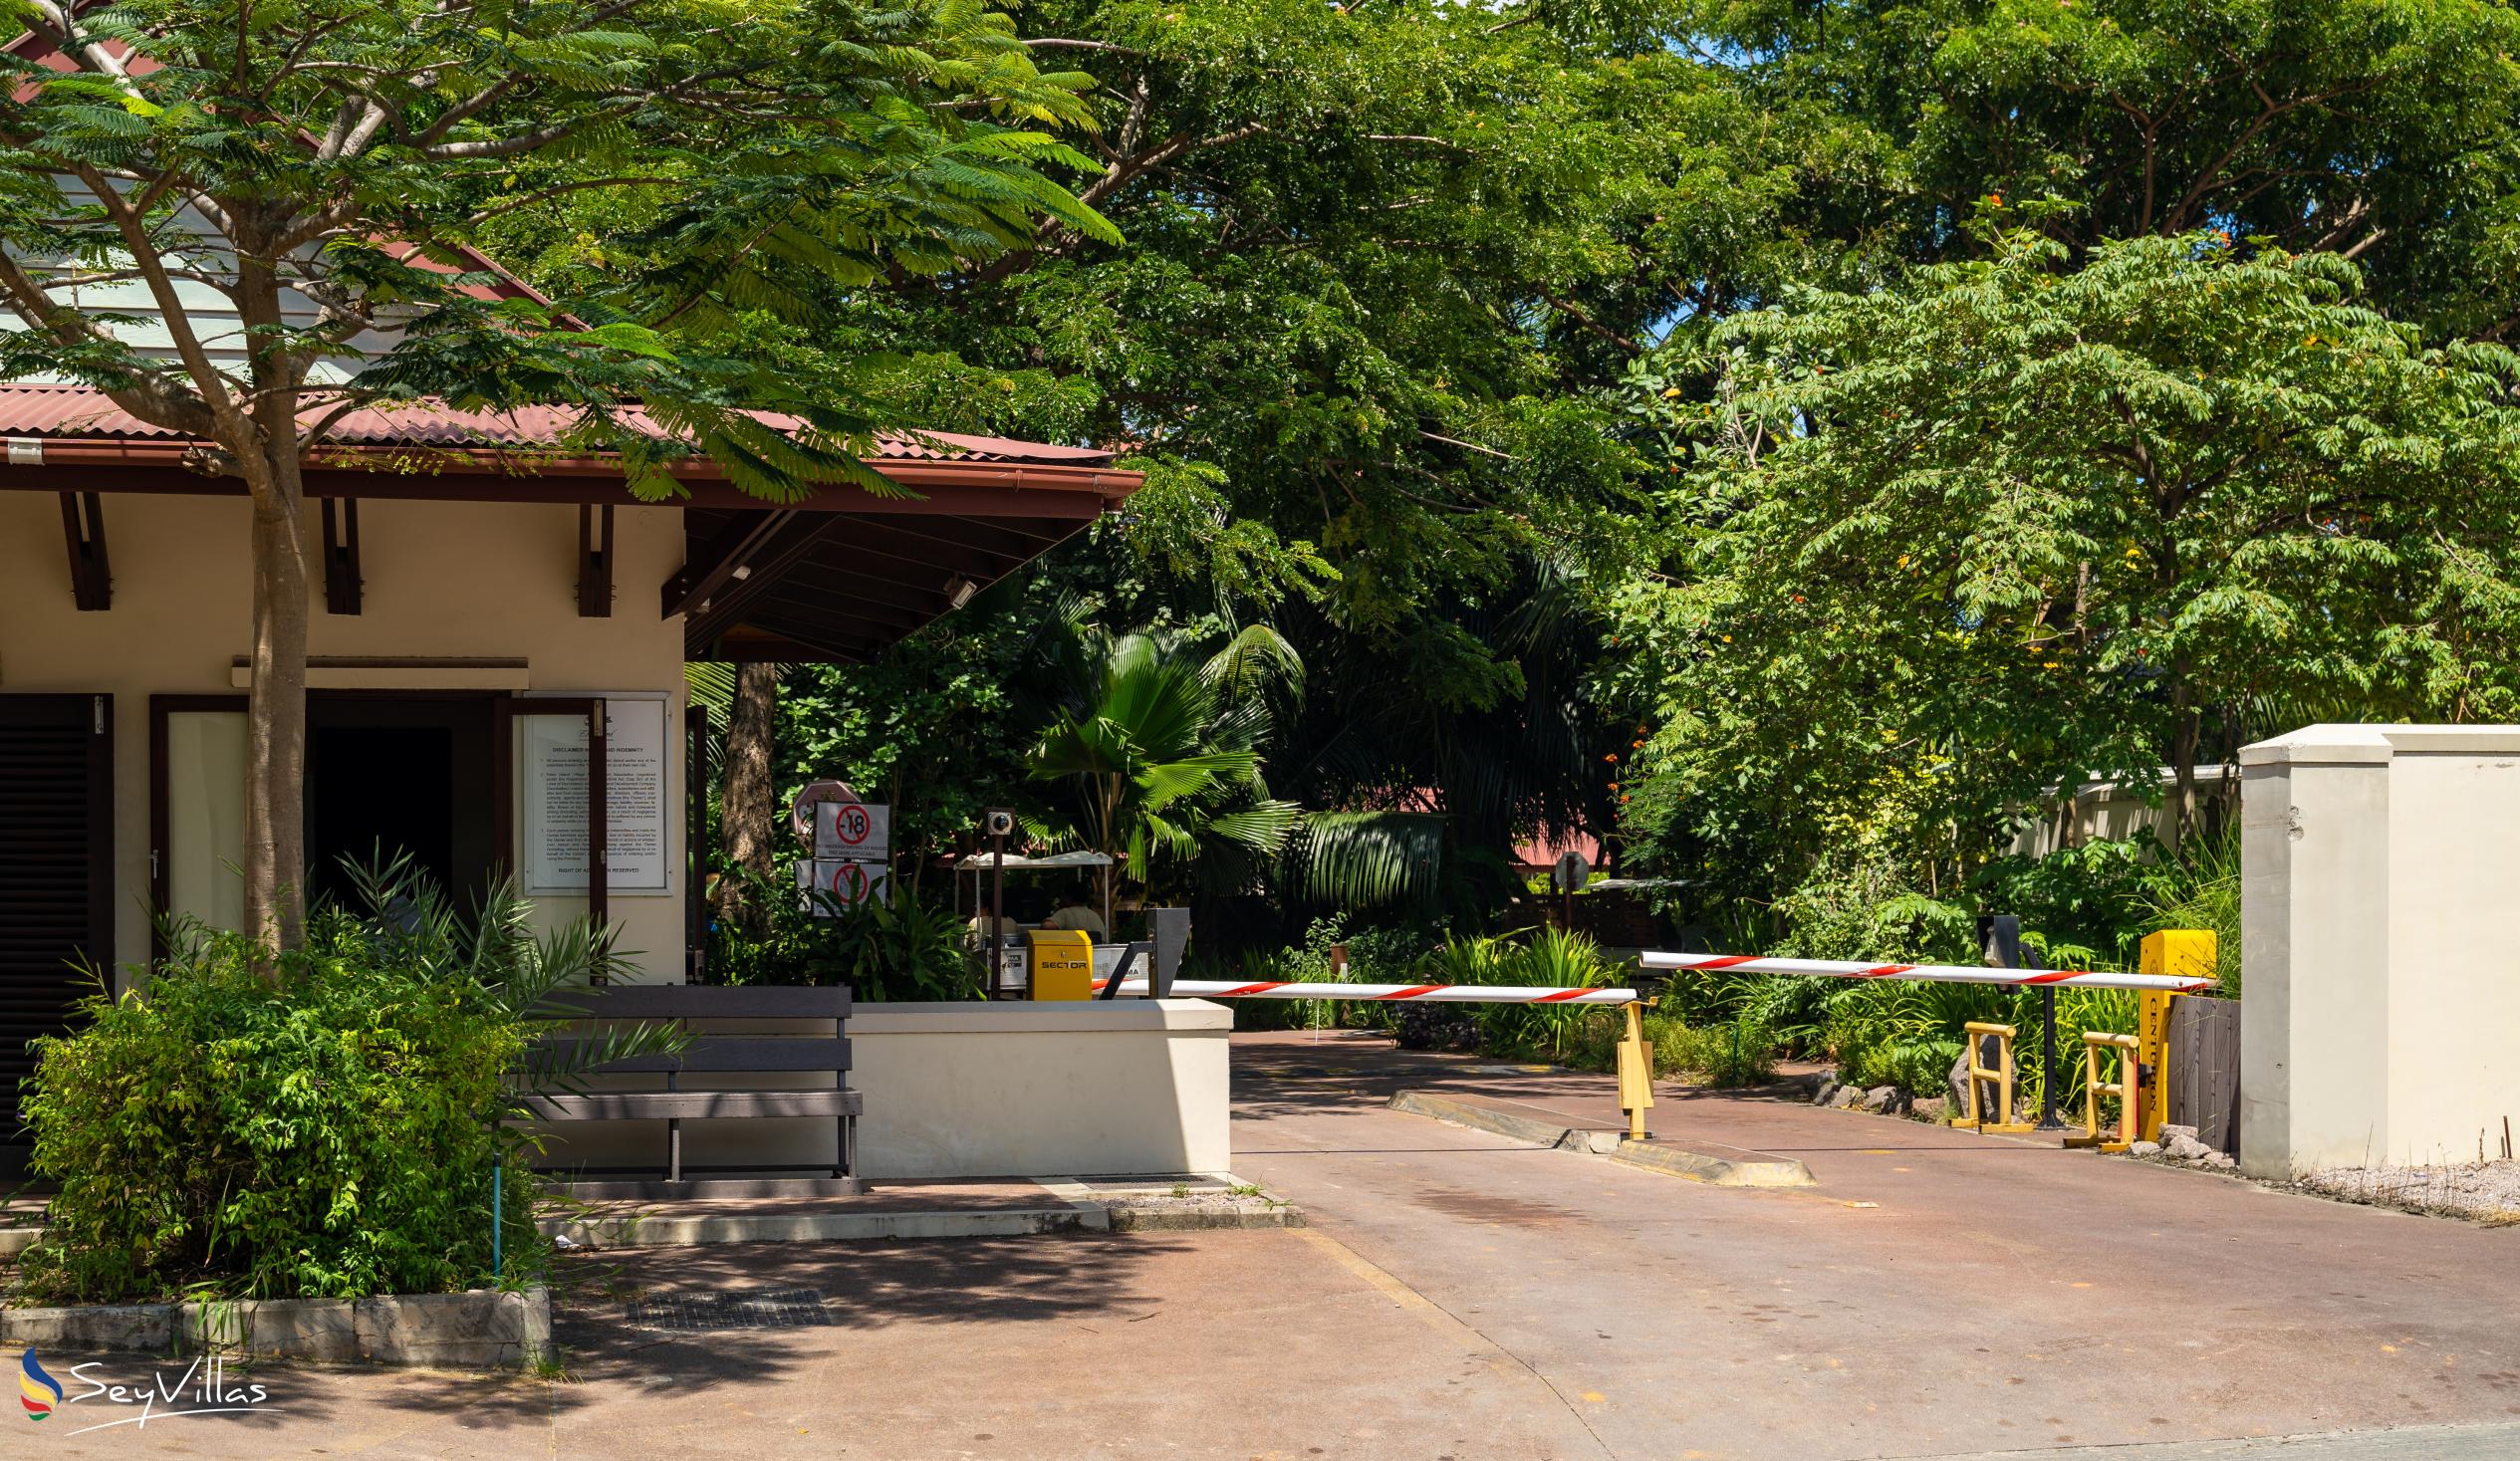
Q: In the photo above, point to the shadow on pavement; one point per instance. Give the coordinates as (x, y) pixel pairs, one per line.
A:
(863, 1287)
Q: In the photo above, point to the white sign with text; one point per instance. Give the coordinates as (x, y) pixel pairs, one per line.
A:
(551, 799)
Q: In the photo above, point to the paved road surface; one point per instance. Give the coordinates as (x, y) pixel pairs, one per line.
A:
(1938, 1292)
(1462, 1298)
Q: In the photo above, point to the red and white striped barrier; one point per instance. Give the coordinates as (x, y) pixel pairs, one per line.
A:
(1935, 973)
(1491, 994)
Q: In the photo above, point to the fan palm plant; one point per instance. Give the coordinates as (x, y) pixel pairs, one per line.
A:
(539, 980)
(1159, 755)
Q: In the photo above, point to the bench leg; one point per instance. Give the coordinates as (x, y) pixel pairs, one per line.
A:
(848, 1147)
(673, 1151)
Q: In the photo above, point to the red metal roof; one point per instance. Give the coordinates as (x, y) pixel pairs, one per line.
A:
(83, 414)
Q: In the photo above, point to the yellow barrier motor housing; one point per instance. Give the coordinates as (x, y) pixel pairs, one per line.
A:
(1062, 963)
(2190, 954)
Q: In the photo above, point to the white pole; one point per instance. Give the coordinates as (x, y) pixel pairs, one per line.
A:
(1492, 994)
(1933, 973)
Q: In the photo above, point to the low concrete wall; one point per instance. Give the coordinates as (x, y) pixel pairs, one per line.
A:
(1018, 1089)
(478, 1330)
(2380, 945)
(1002, 1089)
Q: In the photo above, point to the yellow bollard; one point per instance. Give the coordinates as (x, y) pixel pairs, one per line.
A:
(2001, 1074)
(1636, 1072)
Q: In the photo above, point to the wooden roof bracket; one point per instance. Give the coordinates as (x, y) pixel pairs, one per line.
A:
(787, 547)
(727, 559)
(595, 561)
(83, 530)
(343, 586)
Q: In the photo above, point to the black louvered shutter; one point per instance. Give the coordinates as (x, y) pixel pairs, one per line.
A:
(56, 868)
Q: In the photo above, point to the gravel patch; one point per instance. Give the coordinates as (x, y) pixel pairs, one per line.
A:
(2486, 1191)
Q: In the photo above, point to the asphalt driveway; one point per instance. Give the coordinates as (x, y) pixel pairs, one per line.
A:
(1462, 1297)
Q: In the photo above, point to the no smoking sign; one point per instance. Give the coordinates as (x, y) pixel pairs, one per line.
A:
(843, 883)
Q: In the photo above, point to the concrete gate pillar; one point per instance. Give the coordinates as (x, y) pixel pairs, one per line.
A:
(2380, 945)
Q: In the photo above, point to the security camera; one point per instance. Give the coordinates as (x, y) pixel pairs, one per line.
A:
(999, 821)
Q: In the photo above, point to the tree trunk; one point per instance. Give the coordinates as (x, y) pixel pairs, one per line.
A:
(2186, 730)
(748, 819)
(275, 756)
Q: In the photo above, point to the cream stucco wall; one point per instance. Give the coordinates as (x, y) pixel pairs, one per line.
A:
(1005, 1088)
(2380, 945)
(473, 579)
(1043, 1089)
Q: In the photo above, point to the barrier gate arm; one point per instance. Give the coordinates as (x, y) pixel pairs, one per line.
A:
(1930, 973)
(1636, 1052)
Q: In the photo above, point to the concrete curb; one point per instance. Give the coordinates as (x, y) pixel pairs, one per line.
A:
(1505, 1123)
(1152, 1210)
(1193, 1217)
(1783, 1172)
(1713, 1170)
(1087, 1211)
(481, 1329)
(664, 1230)
(14, 1241)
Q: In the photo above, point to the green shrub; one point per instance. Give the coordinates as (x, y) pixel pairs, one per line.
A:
(1308, 964)
(2204, 892)
(1739, 1052)
(1550, 956)
(1593, 1040)
(1387, 955)
(317, 1124)
(908, 949)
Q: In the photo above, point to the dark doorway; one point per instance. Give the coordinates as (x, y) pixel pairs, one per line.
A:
(56, 875)
(394, 774)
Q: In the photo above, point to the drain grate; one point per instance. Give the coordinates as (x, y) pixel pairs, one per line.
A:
(741, 1308)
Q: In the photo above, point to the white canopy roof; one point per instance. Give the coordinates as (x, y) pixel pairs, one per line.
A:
(1046, 862)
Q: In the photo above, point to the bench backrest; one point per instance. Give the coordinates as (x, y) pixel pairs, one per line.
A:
(706, 1053)
(700, 1002)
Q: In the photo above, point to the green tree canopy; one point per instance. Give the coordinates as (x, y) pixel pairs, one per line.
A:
(1940, 547)
(2382, 129)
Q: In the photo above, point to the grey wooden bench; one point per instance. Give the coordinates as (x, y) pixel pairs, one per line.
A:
(712, 1054)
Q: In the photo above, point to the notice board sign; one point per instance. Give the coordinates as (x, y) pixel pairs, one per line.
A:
(551, 799)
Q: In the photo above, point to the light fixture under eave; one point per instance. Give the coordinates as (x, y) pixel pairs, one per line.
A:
(960, 589)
